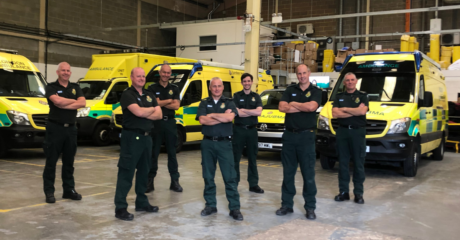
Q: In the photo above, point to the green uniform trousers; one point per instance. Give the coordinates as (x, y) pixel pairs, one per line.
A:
(298, 149)
(246, 137)
(136, 152)
(351, 143)
(166, 130)
(59, 139)
(211, 152)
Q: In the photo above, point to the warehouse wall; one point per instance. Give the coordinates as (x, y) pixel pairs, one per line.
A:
(86, 18)
(378, 24)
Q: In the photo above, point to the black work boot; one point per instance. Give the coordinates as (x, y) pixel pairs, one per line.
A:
(50, 198)
(123, 214)
(208, 211)
(175, 186)
(72, 195)
(150, 187)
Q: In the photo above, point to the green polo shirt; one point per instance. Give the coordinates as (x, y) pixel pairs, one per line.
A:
(132, 96)
(351, 100)
(207, 106)
(72, 91)
(301, 120)
(171, 91)
(247, 101)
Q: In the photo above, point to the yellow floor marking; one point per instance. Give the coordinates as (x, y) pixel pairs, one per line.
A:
(33, 175)
(32, 164)
(42, 204)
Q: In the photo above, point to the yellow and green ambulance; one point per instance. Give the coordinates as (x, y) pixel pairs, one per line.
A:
(408, 109)
(103, 85)
(193, 81)
(23, 106)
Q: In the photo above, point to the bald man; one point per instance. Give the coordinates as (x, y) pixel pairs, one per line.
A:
(139, 108)
(64, 98)
(167, 96)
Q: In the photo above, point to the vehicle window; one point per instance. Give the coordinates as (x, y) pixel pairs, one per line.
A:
(271, 99)
(117, 90)
(178, 78)
(94, 90)
(383, 81)
(15, 83)
(227, 89)
(193, 93)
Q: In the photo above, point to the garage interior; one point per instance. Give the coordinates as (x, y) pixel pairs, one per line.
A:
(51, 31)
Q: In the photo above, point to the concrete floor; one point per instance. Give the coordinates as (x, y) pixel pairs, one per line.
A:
(424, 207)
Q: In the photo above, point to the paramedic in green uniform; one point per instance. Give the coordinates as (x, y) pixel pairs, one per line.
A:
(299, 102)
(167, 96)
(140, 108)
(64, 98)
(216, 114)
(350, 108)
(249, 106)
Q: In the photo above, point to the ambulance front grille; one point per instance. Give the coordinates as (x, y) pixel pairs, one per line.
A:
(270, 127)
(40, 119)
(373, 127)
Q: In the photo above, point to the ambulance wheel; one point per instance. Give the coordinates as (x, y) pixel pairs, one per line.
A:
(410, 165)
(101, 135)
(327, 162)
(438, 153)
(179, 141)
(3, 148)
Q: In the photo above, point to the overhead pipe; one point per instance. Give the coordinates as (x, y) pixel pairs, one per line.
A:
(357, 19)
(213, 10)
(436, 12)
(408, 6)
(340, 20)
(368, 9)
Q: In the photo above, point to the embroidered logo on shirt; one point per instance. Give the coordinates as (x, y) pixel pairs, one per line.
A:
(59, 91)
(74, 92)
(357, 100)
(308, 94)
(170, 92)
(340, 100)
(222, 105)
(253, 99)
(294, 94)
(158, 93)
(138, 99)
(241, 100)
(209, 105)
(149, 99)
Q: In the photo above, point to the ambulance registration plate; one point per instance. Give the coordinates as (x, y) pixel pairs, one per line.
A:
(265, 145)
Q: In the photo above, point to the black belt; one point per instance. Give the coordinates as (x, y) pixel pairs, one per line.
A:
(350, 126)
(229, 138)
(245, 126)
(293, 130)
(61, 124)
(136, 130)
(166, 118)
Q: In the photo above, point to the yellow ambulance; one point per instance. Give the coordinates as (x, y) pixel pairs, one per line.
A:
(408, 109)
(23, 106)
(193, 81)
(103, 85)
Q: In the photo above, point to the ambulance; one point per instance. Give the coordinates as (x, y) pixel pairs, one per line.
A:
(103, 85)
(408, 109)
(193, 80)
(23, 106)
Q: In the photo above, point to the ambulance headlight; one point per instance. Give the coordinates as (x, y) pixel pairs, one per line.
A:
(83, 112)
(18, 118)
(399, 126)
(323, 123)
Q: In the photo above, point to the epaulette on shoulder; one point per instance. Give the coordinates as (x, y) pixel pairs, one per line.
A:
(75, 84)
(362, 92)
(174, 85)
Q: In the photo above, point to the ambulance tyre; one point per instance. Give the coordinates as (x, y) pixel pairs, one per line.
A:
(327, 162)
(438, 153)
(179, 141)
(3, 148)
(101, 135)
(410, 165)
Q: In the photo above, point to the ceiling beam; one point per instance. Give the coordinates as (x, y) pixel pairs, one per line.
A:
(187, 7)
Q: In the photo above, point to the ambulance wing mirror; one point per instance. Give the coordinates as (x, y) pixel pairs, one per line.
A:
(323, 97)
(428, 99)
(111, 98)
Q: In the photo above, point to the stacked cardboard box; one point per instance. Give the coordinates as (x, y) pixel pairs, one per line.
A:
(278, 66)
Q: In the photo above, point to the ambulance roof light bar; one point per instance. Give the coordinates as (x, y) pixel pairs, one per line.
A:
(8, 51)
